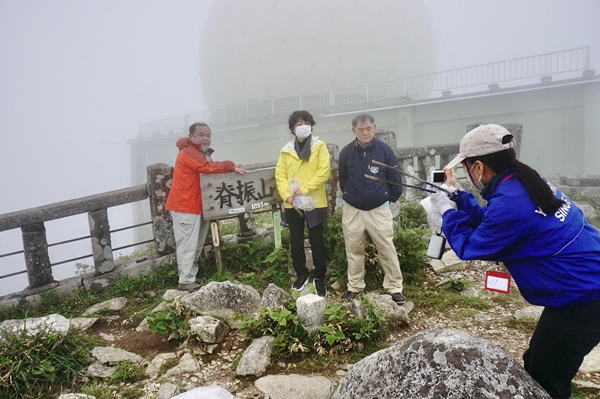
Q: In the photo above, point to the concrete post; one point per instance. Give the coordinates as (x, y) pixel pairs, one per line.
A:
(426, 165)
(101, 243)
(387, 137)
(159, 184)
(37, 261)
(591, 138)
(246, 225)
(331, 187)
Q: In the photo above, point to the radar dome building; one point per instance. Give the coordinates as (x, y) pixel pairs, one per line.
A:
(261, 49)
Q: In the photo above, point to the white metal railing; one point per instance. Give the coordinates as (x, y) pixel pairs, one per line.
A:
(560, 64)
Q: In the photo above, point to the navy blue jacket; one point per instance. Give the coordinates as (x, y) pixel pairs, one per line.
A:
(554, 259)
(356, 161)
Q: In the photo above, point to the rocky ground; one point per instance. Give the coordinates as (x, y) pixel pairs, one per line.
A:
(495, 324)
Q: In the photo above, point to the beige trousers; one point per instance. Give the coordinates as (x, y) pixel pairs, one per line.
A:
(190, 233)
(378, 223)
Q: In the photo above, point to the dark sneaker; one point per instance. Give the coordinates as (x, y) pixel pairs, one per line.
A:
(320, 287)
(191, 287)
(349, 295)
(398, 298)
(300, 283)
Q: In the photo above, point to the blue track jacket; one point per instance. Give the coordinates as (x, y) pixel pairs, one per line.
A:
(356, 161)
(554, 259)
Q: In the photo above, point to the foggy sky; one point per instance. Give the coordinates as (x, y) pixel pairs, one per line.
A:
(77, 77)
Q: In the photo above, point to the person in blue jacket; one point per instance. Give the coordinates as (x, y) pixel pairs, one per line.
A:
(544, 241)
(366, 208)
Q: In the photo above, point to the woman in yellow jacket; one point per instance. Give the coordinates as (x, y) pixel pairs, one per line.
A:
(301, 173)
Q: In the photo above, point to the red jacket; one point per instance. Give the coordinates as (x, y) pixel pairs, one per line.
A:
(184, 195)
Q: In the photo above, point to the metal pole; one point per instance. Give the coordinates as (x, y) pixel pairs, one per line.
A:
(588, 56)
(214, 230)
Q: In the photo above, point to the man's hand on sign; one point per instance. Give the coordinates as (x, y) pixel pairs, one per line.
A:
(240, 170)
(297, 192)
(290, 199)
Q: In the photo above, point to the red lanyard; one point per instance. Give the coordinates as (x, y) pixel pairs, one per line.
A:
(507, 177)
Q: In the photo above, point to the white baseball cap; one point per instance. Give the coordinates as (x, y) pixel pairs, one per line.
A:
(483, 140)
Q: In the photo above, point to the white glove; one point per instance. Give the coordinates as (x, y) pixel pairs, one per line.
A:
(432, 212)
(441, 201)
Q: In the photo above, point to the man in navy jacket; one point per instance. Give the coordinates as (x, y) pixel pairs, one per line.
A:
(366, 206)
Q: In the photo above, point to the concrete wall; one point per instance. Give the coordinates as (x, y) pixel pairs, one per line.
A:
(561, 129)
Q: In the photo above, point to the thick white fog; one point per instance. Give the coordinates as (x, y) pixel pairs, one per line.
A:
(77, 77)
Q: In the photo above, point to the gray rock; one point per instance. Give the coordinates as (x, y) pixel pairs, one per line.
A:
(530, 312)
(209, 329)
(111, 356)
(167, 391)
(172, 294)
(397, 314)
(453, 262)
(187, 364)
(143, 326)
(439, 364)
(209, 392)
(51, 323)
(470, 292)
(98, 370)
(160, 307)
(591, 363)
(81, 324)
(274, 296)
(437, 265)
(107, 337)
(311, 311)
(294, 386)
(157, 362)
(356, 308)
(112, 304)
(75, 396)
(586, 384)
(223, 300)
(256, 357)
(8, 303)
(449, 263)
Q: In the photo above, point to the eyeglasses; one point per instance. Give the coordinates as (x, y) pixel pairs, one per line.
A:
(367, 129)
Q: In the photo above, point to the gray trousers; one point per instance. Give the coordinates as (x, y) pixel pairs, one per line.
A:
(190, 233)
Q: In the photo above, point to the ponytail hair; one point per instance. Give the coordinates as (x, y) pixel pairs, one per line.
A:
(538, 189)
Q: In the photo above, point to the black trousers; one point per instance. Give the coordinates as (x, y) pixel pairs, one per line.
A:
(561, 339)
(315, 235)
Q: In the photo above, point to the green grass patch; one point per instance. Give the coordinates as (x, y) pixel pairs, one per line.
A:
(442, 298)
(40, 365)
(526, 325)
(128, 372)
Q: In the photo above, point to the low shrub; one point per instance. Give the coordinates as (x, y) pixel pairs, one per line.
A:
(339, 333)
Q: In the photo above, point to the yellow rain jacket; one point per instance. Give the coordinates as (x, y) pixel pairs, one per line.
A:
(311, 175)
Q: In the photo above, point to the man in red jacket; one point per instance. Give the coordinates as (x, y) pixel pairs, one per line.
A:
(185, 201)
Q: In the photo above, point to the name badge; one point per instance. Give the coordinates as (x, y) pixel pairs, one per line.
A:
(497, 282)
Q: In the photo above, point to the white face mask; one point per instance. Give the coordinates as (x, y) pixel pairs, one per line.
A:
(303, 131)
(478, 184)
